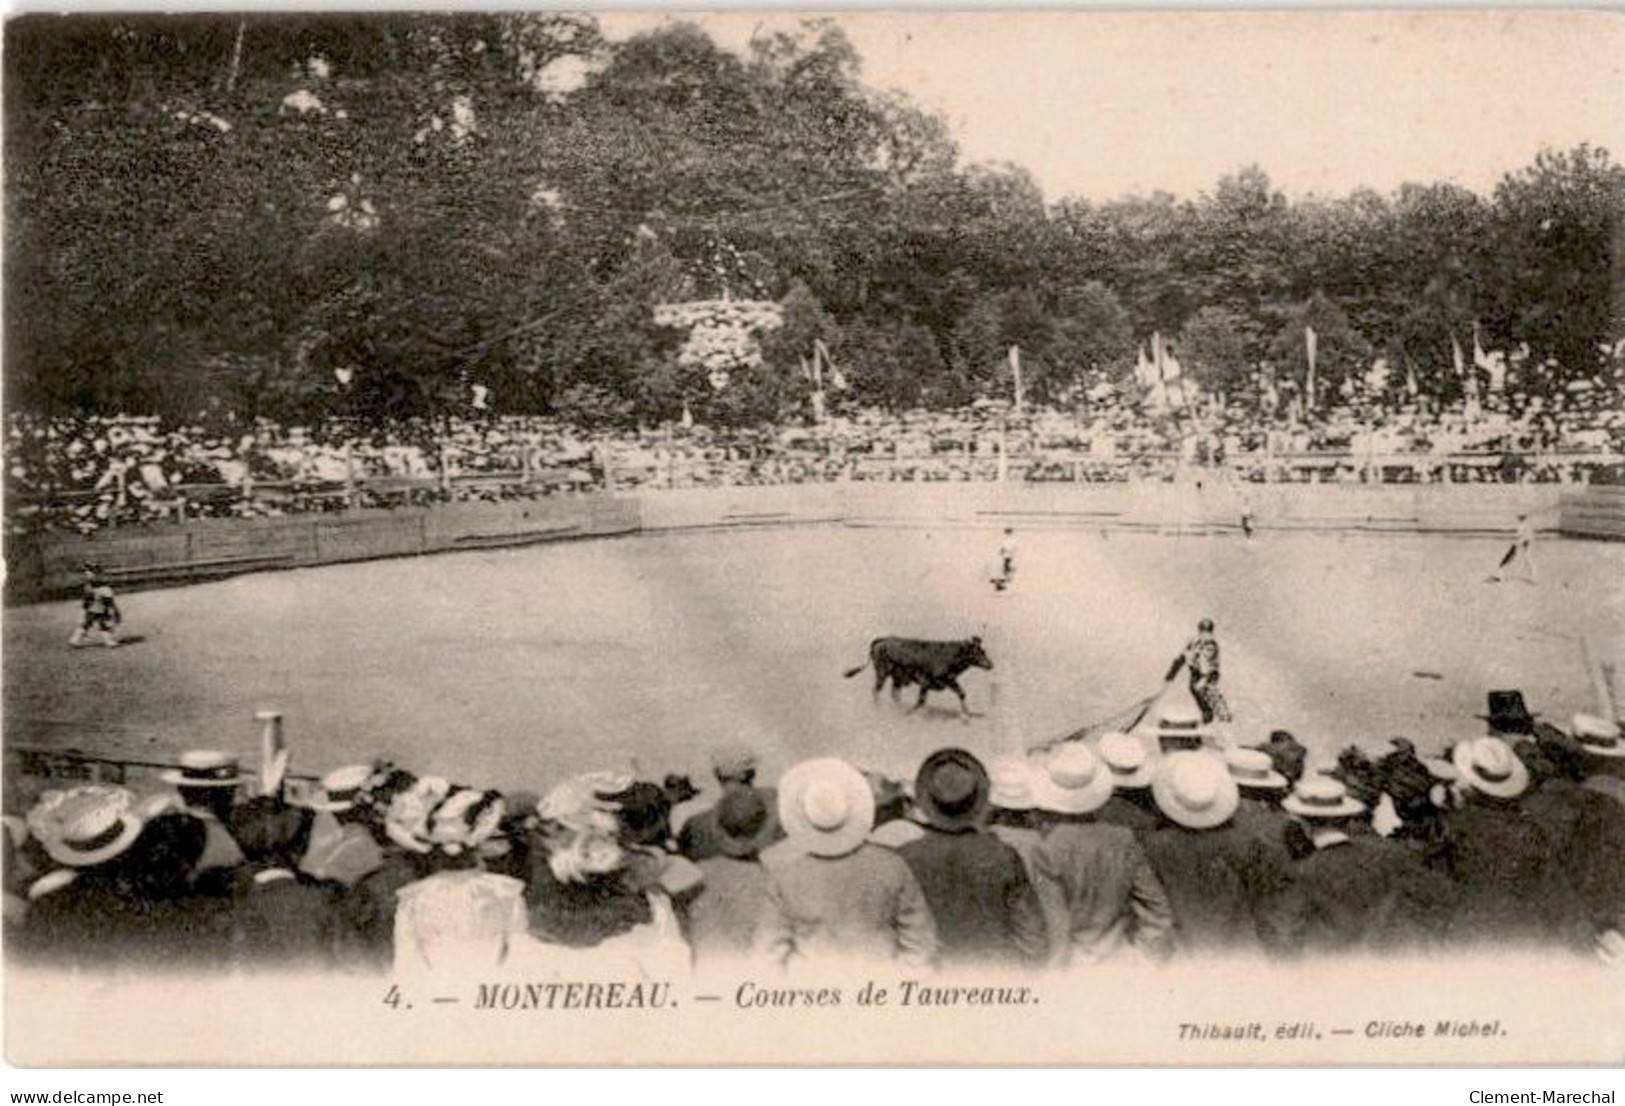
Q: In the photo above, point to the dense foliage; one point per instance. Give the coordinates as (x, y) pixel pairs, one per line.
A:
(297, 215)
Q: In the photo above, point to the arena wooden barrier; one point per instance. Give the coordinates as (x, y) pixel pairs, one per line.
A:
(1469, 509)
(45, 565)
(40, 566)
(1595, 512)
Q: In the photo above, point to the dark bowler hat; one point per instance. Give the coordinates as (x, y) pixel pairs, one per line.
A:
(1508, 714)
(951, 789)
(744, 823)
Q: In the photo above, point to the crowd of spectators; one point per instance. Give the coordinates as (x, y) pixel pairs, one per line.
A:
(1143, 847)
(90, 473)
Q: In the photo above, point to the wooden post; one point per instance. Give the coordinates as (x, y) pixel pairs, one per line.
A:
(272, 743)
(445, 471)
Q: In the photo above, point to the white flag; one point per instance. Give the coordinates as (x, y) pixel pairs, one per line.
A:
(1481, 359)
(1311, 345)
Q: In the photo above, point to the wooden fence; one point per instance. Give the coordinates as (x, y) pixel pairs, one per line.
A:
(47, 564)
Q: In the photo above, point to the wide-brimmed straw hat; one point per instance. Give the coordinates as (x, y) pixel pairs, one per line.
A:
(1127, 759)
(340, 788)
(745, 825)
(1321, 796)
(1196, 790)
(1011, 783)
(826, 806)
(951, 789)
(1488, 765)
(1180, 728)
(85, 826)
(206, 768)
(1253, 770)
(1597, 737)
(1071, 780)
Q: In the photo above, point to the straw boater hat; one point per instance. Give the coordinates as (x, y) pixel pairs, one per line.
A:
(340, 788)
(1321, 796)
(744, 824)
(205, 768)
(1126, 759)
(1196, 790)
(1179, 728)
(1253, 770)
(1488, 765)
(1598, 737)
(1071, 780)
(85, 826)
(1011, 783)
(826, 806)
(951, 789)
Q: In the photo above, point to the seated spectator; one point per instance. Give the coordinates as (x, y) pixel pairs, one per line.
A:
(279, 918)
(586, 892)
(344, 846)
(734, 767)
(1012, 817)
(976, 886)
(835, 897)
(1132, 769)
(1287, 754)
(123, 897)
(457, 925)
(1511, 885)
(1357, 891)
(208, 782)
(723, 916)
(1100, 896)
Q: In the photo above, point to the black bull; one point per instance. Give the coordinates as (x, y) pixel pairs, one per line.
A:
(934, 665)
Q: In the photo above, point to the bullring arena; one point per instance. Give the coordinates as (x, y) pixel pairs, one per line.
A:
(732, 614)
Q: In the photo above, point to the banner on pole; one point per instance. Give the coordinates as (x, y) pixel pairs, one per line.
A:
(1311, 346)
(1015, 371)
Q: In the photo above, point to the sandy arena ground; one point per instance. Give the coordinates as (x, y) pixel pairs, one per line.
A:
(513, 667)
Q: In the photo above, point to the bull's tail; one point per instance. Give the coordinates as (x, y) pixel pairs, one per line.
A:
(850, 672)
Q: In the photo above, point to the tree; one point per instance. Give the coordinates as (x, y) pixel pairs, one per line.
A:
(1094, 335)
(1557, 226)
(1217, 347)
(890, 364)
(1341, 351)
